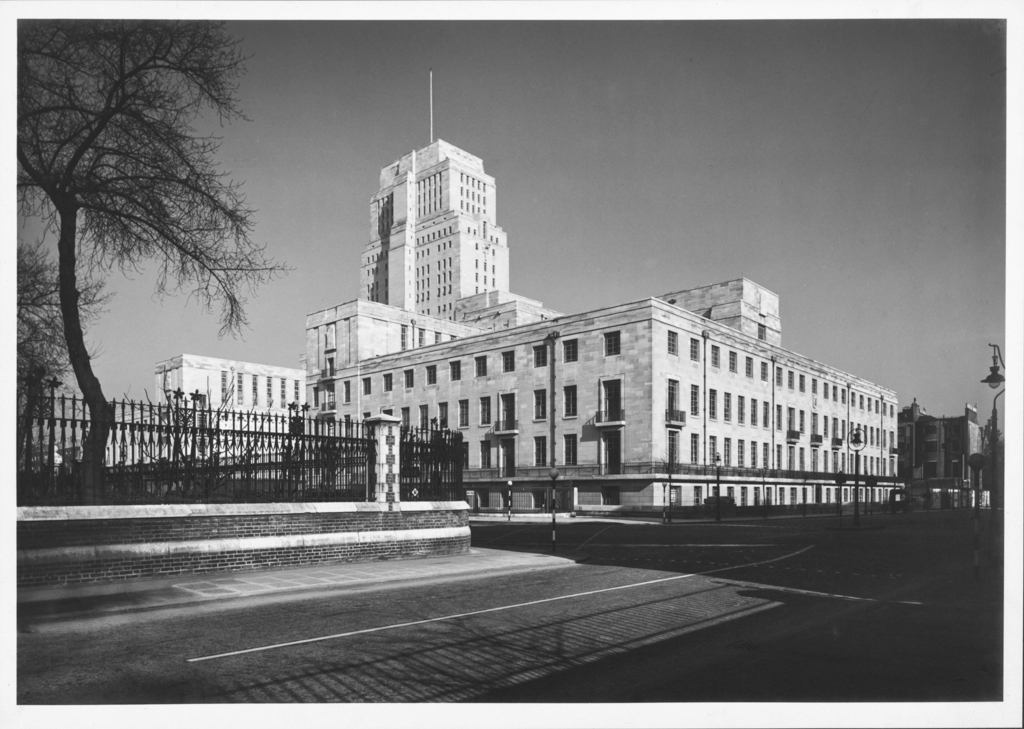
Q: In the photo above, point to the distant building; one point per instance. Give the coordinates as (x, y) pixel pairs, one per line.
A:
(933, 453)
(610, 396)
(229, 384)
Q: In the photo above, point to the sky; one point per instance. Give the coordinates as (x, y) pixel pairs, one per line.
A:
(854, 167)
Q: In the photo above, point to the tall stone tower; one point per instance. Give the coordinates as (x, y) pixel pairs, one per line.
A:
(433, 236)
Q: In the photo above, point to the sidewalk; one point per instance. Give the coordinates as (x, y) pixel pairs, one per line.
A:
(41, 605)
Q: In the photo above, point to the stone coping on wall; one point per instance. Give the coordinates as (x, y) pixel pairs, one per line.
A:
(213, 546)
(143, 511)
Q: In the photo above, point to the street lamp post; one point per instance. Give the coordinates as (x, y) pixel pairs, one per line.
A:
(977, 462)
(764, 489)
(857, 443)
(840, 479)
(994, 380)
(509, 483)
(718, 487)
(554, 477)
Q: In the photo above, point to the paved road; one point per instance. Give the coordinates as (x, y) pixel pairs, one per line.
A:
(779, 611)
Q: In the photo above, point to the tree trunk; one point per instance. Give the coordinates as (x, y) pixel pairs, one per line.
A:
(100, 411)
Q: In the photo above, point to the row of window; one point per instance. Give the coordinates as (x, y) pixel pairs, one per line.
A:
(239, 392)
(792, 378)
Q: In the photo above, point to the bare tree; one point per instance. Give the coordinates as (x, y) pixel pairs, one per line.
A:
(109, 158)
(42, 354)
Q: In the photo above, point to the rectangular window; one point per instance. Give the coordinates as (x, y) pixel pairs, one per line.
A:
(570, 351)
(508, 361)
(778, 456)
(224, 386)
(790, 378)
(739, 454)
(750, 367)
(715, 356)
(540, 450)
(778, 377)
(270, 391)
(764, 452)
(764, 372)
(814, 386)
(801, 459)
(409, 379)
(569, 449)
(697, 493)
(778, 417)
(485, 454)
(481, 366)
(673, 446)
(844, 396)
(405, 417)
(673, 343)
(367, 388)
(694, 448)
(296, 390)
(732, 361)
(802, 384)
(713, 404)
(455, 371)
(255, 390)
(431, 374)
(463, 413)
(569, 400)
(762, 332)
(790, 418)
(389, 383)
(673, 396)
(824, 390)
(766, 417)
(442, 414)
(791, 454)
(713, 448)
(861, 402)
(814, 423)
(540, 404)
(695, 400)
(741, 416)
(727, 407)
(424, 417)
(695, 350)
(485, 410)
(540, 356)
(405, 337)
(727, 452)
(422, 337)
(284, 392)
(753, 454)
(801, 422)
(611, 344)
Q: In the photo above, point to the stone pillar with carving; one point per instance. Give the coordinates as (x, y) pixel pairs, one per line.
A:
(387, 430)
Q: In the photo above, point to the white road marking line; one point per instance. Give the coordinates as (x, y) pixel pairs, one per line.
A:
(501, 608)
(595, 534)
(492, 541)
(759, 586)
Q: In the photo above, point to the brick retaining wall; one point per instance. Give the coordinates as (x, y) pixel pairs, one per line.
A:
(58, 545)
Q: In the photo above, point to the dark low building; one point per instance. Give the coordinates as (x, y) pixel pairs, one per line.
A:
(933, 454)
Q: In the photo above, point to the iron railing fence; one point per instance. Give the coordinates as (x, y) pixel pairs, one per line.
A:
(185, 452)
(431, 464)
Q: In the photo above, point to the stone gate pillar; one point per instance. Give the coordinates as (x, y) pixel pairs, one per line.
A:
(386, 430)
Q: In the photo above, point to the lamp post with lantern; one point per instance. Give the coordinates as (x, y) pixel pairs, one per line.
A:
(995, 380)
(857, 443)
(554, 477)
(718, 487)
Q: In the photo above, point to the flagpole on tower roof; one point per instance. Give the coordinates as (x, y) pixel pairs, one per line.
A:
(431, 106)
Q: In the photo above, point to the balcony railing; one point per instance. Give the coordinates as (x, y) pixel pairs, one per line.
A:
(894, 451)
(508, 425)
(816, 439)
(792, 436)
(609, 417)
(326, 373)
(330, 405)
(675, 417)
(837, 442)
